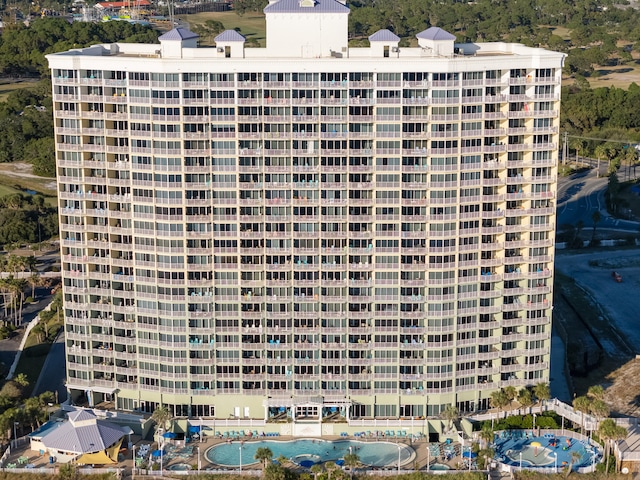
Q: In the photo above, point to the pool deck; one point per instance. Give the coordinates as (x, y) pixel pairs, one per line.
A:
(419, 460)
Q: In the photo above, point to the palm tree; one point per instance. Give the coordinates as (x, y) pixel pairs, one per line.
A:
(351, 460)
(451, 415)
(600, 152)
(596, 217)
(575, 456)
(22, 380)
(274, 472)
(511, 393)
(582, 404)
(35, 280)
(263, 455)
(542, 392)
(330, 467)
(596, 392)
(316, 469)
(161, 416)
(610, 432)
(486, 454)
(524, 398)
(499, 399)
(486, 434)
(599, 409)
(577, 144)
(39, 330)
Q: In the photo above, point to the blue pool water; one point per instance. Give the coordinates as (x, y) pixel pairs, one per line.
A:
(376, 454)
(509, 446)
(179, 467)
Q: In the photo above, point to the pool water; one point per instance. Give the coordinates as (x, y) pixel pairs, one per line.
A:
(179, 467)
(541, 451)
(532, 456)
(439, 466)
(375, 454)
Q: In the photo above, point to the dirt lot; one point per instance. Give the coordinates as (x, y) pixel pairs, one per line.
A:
(615, 326)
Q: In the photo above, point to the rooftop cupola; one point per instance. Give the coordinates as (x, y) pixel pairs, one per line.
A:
(175, 40)
(438, 41)
(384, 43)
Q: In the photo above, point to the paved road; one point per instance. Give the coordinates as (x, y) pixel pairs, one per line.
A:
(580, 195)
(53, 373)
(9, 346)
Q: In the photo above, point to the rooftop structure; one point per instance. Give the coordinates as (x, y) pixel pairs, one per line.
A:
(306, 230)
(83, 439)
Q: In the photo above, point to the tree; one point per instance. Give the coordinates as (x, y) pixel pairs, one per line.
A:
(22, 380)
(330, 467)
(161, 416)
(596, 392)
(577, 144)
(511, 393)
(39, 330)
(351, 461)
(575, 456)
(542, 392)
(451, 415)
(35, 280)
(316, 469)
(525, 398)
(499, 399)
(629, 160)
(600, 152)
(486, 454)
(613, 191)
(599, 409)
(486, 434)
(610, 432)
(274, 472)
(583, 405)
(263, 455)
(595, 217)
(68, 471)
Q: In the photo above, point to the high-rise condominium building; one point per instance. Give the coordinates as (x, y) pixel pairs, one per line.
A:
(307, 228)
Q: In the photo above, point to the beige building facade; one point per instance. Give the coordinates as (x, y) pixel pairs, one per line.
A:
(306, 229)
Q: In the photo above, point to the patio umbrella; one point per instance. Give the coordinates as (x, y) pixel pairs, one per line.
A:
(169, 435)
(340, 462)
(535, 446)
(157, 453)
(469, 454)
(194, 428)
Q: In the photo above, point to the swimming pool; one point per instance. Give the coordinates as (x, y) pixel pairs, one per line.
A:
(517, 448)
(179, 467)
(438, 466)
(375, 454)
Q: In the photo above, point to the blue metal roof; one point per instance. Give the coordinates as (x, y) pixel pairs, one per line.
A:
(229, 36)
(384, 36)
(306, 6)
(178, 34)
(83, 433)
(435, 33)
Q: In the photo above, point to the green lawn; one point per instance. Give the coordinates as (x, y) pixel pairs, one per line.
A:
(11, 183)
(7, 88)
(251, 25)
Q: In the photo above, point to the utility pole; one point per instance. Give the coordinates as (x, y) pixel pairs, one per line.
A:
(565, 150)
